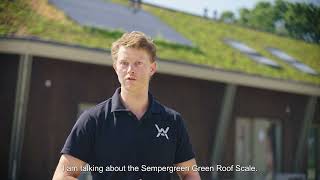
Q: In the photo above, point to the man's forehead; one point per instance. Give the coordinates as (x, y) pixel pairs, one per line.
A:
(129, 52)
(130, 49)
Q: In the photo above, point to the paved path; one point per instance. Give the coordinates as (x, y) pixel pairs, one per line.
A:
(104, 14)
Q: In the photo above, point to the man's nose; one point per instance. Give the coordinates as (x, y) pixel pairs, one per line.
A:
(130, 69)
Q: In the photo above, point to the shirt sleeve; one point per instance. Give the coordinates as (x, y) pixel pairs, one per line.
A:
(80, 141)
(184, 151)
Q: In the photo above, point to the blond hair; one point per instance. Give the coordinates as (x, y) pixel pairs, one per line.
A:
(134, 39)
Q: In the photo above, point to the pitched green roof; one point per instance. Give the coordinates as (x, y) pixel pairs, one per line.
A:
(207, 36)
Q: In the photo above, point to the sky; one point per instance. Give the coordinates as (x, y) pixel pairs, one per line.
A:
(197, 6)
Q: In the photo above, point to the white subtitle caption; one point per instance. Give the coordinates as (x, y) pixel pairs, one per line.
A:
(158, 169)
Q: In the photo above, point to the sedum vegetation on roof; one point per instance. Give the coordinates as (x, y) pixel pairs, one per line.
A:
(39, 19)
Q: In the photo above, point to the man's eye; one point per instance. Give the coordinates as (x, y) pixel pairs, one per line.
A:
(139, 63)
(124, 63)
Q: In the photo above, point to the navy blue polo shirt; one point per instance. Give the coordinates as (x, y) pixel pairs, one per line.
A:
(110, 136)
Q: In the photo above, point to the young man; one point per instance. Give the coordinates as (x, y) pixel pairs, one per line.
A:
(131, 128)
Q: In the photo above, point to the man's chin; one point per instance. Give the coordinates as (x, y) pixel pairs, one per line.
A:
(133, 87)
(130, 87)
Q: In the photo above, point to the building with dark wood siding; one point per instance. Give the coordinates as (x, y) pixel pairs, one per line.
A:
(235, 118)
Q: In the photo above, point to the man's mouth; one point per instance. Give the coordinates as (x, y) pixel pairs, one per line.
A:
(131, 78)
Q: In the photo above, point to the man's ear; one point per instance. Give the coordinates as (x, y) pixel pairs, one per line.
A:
(114, 66)
(153, 68)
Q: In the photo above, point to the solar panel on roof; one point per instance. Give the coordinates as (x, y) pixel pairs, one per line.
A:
(111, 16)
(241, 47)
(265, 60)
(304, 68)
(254, 55)
(292, 61)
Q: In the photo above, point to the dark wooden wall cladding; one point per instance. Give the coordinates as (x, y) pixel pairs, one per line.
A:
(284, 107)
(316, 121)
(255, 102)
(52, 111)
(8, 82)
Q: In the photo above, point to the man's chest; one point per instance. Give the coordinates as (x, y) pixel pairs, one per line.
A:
(152, 142)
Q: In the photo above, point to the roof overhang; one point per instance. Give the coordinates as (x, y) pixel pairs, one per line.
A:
(103, 57)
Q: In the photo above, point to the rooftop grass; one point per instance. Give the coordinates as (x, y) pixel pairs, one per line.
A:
(40, 19)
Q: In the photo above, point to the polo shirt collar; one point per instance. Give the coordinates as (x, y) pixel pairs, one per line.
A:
(116, 104)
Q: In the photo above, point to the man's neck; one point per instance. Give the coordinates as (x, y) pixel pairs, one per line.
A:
(136, 102)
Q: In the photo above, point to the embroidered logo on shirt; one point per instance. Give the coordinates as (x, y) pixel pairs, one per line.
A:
(162, 132)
